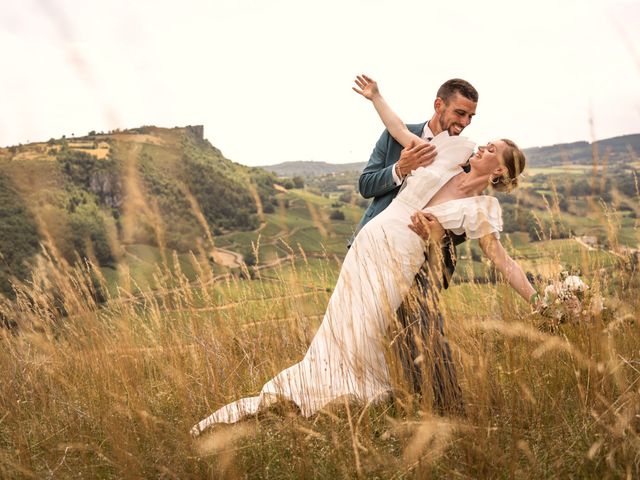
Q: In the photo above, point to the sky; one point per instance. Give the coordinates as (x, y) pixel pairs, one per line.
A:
(271, 80)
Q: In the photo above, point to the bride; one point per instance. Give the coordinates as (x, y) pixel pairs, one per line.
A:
(347, 355)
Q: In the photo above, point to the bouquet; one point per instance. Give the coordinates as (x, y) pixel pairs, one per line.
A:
(562, 299)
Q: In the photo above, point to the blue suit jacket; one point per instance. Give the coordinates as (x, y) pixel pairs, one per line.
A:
(376, 181)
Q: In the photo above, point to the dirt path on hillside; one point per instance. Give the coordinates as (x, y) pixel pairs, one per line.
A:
(227, 258)
(593, 249)
(588, 247)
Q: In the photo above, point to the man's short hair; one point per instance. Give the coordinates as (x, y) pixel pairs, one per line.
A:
(464, 88)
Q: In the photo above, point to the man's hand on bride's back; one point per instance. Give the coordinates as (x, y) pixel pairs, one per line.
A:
(427, 227)
(415, 156)
(367, 87)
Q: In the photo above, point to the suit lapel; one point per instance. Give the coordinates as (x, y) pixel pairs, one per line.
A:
(417, 128)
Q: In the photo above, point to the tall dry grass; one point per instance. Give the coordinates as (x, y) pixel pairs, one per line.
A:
(111, 390)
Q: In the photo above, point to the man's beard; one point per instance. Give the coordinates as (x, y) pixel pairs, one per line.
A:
(449, 129)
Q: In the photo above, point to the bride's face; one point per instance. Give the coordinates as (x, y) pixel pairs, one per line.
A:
(488, 158)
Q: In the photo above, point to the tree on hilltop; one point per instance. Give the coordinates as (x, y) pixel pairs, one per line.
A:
(298, 181)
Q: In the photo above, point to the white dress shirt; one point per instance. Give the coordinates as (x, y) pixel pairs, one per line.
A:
(426, 134)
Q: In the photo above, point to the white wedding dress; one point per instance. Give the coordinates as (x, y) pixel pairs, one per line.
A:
(347, 355)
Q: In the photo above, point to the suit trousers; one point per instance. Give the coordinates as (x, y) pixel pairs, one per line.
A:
(422, 348)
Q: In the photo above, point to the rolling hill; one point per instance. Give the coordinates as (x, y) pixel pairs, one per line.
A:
(310, 168)
(616, 149)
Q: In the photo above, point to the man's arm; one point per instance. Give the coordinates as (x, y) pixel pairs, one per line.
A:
(440, 244)
(430, 230)
(427, 226)
(377, 178)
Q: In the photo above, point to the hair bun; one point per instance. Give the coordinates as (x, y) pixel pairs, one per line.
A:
(515, 161)
(504, 185)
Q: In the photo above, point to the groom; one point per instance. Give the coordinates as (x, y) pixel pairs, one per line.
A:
(424, 351)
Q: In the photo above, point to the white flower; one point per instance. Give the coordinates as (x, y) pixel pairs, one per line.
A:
(564, 290)
(573, 283)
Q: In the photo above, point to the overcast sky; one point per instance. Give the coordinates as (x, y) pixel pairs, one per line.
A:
(270, 80)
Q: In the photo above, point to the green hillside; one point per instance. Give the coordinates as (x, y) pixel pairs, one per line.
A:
(560, 200)
(94, 196)
(609, 150)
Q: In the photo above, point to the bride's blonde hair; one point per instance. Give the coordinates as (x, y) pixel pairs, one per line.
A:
(515, 161)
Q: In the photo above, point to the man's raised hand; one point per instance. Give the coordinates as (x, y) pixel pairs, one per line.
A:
(367, 87)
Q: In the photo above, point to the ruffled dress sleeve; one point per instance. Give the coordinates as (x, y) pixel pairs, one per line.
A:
(473, 216)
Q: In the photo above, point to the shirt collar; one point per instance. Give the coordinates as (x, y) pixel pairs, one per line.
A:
(426, 132)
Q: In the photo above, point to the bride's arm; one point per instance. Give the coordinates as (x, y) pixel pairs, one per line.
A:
(509, 268)
(368, 88)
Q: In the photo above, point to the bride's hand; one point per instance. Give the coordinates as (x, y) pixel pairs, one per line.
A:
(367, 87)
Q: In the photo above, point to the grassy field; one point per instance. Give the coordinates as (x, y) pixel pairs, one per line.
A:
(111, 391)
(562, 170)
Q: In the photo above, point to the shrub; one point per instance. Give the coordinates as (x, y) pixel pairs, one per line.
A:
(345, 197)
(337, 215)
(19, 241)
(268, 208)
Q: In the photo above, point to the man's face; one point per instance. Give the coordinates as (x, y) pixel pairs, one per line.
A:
(456, 115)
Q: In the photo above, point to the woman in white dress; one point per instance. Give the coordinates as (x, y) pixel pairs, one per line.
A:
(347, 355)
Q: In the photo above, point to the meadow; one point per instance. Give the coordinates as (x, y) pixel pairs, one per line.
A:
(105, 369)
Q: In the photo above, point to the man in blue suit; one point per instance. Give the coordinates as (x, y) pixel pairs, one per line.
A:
(423, 349)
